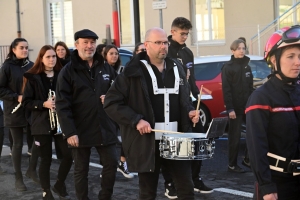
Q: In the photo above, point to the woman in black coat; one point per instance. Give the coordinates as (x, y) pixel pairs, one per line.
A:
(11, 80)
(38, 82)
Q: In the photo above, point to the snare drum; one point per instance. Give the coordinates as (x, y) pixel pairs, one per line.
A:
(187, 146)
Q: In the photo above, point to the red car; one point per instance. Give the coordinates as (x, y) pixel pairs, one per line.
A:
(208, 73)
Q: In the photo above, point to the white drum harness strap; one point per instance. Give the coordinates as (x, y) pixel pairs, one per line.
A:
(166, 125)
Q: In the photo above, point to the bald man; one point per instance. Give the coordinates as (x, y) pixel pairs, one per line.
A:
(138, 102)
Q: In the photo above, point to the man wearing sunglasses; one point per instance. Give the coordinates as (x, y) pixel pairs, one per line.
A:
(180, 30)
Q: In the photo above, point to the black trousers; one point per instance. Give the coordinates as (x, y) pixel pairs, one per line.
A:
(44, 145)
(234, 136)
(109, 160)
(1, 131)
(287, 188)
(180, 172)
(17, 135)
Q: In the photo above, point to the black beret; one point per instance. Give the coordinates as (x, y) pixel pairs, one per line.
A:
(85, 33)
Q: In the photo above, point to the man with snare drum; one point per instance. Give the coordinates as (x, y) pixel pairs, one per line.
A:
(151, 91)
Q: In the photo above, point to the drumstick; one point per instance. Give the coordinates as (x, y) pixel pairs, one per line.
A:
(165, 131)
(198, 104)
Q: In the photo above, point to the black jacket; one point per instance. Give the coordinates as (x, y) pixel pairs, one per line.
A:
(273, 124)
(35, 94)
(186, 57)
(64, 61)
(78, 105)
(237, 84)
(128, 101)
(11, 81)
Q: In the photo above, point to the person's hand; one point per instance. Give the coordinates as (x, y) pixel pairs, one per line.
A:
(232, 115)
(49, 104)
(272, 196)
(20, 97)
(194, 116)
(102, 97)
(73, 141)
(188, 73)
(143, 127)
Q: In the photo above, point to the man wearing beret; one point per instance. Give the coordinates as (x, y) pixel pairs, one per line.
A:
(81, 86)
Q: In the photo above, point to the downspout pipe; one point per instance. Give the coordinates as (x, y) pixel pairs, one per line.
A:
(136, 14)
(18, 19)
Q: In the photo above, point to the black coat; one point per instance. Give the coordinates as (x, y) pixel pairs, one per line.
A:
(186, 57)
(128, 101)
(273, 126)
(237, 84)
(35, 94)
(78, 105)
(11, 81)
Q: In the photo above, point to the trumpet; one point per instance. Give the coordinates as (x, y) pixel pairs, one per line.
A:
(53, 115)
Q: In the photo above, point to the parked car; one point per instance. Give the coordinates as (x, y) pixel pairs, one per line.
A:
(208, 73)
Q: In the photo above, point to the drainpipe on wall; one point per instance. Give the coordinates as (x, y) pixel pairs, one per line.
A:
(18, 19)
(136, 14)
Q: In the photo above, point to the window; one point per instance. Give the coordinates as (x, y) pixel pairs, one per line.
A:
(292, 17)
(60, 21)
(208, 21)
(126, 20)
(207, 71)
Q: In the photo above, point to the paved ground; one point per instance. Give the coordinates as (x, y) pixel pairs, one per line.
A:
(214, 173)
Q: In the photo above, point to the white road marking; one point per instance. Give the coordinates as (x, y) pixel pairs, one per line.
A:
(91, 164)
(234, 192)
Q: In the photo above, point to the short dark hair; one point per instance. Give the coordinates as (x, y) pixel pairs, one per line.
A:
(182, 23)
(242, 38)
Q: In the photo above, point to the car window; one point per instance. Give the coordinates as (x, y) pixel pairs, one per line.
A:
(125, 58)
(207, 71)
(259, 68)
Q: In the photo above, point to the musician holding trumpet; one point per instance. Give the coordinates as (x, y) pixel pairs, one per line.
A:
(39, 97)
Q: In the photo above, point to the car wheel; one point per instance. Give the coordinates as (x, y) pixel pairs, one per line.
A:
(204, 116)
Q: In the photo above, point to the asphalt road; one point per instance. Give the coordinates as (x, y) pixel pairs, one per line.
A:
(227, 185)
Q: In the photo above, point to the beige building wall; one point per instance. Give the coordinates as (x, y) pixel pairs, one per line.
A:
(241, 19)
(93, 15)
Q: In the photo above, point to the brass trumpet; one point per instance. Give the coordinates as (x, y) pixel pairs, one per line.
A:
(53, 115)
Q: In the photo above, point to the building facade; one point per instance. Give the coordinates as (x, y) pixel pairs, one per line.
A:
(216, 23)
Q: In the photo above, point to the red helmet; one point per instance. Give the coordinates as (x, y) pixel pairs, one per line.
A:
(284, 37)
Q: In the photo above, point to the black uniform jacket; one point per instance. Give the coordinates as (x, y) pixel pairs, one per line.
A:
(186, 57)
(237, 84)
(35, 94)
(128, 101)
(78, 104)
(11, 81)
(273, 124)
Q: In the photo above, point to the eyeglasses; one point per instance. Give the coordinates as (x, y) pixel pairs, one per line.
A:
(159, 43)
(141, 50)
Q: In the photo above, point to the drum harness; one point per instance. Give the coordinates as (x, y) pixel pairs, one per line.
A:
(167, 125)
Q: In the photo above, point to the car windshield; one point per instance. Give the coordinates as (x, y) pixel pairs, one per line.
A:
(259, 68)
